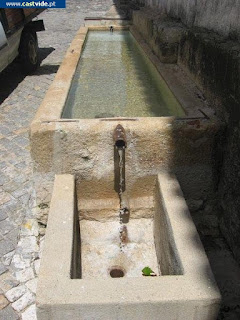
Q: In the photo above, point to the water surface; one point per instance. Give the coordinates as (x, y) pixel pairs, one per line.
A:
(114, 78)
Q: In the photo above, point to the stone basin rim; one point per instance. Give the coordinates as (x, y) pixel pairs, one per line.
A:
(54, 102)
(195, 286)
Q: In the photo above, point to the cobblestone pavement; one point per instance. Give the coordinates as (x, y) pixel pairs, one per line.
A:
(20, 244)
(19, 99)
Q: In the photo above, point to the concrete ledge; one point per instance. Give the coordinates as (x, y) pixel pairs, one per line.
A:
(192, 296)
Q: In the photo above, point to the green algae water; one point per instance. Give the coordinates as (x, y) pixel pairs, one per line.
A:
(114, 78)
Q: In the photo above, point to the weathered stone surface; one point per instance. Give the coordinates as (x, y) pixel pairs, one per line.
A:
(16, 293)
(229, 189)
(30, 313)
(19, 99)
(32, 285)
(207, 225)
(115, 12)
(161, 33)
(172, 222)
(30, 228)
(214, 63)
(194, 204)
(227, 275)
(221, 17)
(8, 314)
(28, 244)
(5, 247)
(3, 302)
(27, 299)
(25, 275)
(19, 262)
(37, 266)
(7, 258)
(2, 268)
(7, 281)
(3, 214)
(6, 226)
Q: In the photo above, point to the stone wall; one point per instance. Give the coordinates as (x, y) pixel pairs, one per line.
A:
(212, 61)
(209, 52)
(85, 148)
(229, 188)
(162, 34)
(221, 16)
(214, 64)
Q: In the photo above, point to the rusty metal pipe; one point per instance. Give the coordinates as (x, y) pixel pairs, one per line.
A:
(119, 137)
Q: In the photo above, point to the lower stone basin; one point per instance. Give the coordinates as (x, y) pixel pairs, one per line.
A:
(85, 274)
(102, 253)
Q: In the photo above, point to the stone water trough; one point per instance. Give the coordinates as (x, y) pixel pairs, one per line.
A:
(117, 205)
(76, 282)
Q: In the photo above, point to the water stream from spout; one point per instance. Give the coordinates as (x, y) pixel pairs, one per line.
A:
(121, 164)
(122, 211)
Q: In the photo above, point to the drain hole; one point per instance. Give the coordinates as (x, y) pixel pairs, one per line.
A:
(116, 272)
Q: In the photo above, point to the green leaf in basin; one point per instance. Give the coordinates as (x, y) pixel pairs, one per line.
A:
(147, 271)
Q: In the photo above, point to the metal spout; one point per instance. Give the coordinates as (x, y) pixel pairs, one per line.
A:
(119, 137)
(120, 144)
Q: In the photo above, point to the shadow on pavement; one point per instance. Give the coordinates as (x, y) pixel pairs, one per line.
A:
(12, 76)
